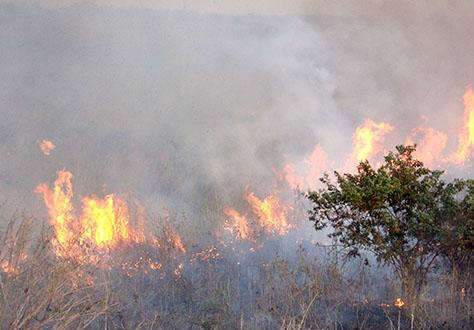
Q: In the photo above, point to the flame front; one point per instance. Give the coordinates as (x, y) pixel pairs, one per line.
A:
(270, 214)
(176, 242)
(466, 136)
(60, 209)
(368, 139)
(238, 224)
(104, 223)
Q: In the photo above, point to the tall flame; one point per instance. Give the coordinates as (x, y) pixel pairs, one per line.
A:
(60, 209)
(104, 223)
(368, 139)
(466, 136)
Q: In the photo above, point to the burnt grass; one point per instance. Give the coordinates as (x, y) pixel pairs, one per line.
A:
(275, 284)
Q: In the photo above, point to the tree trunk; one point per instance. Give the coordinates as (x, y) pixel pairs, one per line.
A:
(411, 285)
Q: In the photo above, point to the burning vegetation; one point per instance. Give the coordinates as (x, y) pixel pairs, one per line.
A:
(46, 147)
(104, 240)
(368, 139)
(466, 134)
(103, 224)
(102, 245)
(230, 218)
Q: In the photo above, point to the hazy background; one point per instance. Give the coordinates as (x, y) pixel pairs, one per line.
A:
(180, 102)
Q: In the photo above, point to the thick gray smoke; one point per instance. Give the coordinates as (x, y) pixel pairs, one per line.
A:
(178, 107)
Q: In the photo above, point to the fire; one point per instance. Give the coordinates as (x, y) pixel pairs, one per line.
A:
(239, 225)
(7, 268)
(11, 266)
(430, 144)
(176, 242)
(270, 213)
(292, 178)
(210, 253)
(399, 303)
(60, 209)
(154, 265)
(317, 163)
(314, 165)
(170, 235)
(179, 270)
(46, 146)
(466, 136)
(368, 139)
(104, 223)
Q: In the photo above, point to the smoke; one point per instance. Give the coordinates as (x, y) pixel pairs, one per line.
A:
(181, 107)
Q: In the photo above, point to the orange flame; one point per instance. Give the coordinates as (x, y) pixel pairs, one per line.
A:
(430, 144)
(292, 178)
(271, 215)
(179, 270)
(239, 225)
(399, 303)
(12, 265)
(60, 209)
(466, 136)
(154, 265)
(46, 146)
(176, 242)
(104, 223)
(7, 268)
(368, 139)
(317, 163)
(314, 165)
(171, 236)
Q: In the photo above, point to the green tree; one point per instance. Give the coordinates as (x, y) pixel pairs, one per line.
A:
(457, 244)
(396, 211)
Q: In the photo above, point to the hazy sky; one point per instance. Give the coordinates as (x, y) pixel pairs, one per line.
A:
(178, 106)
(280, 7)
(346, 8)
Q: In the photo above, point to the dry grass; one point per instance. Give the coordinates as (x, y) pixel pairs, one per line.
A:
(309, 288)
